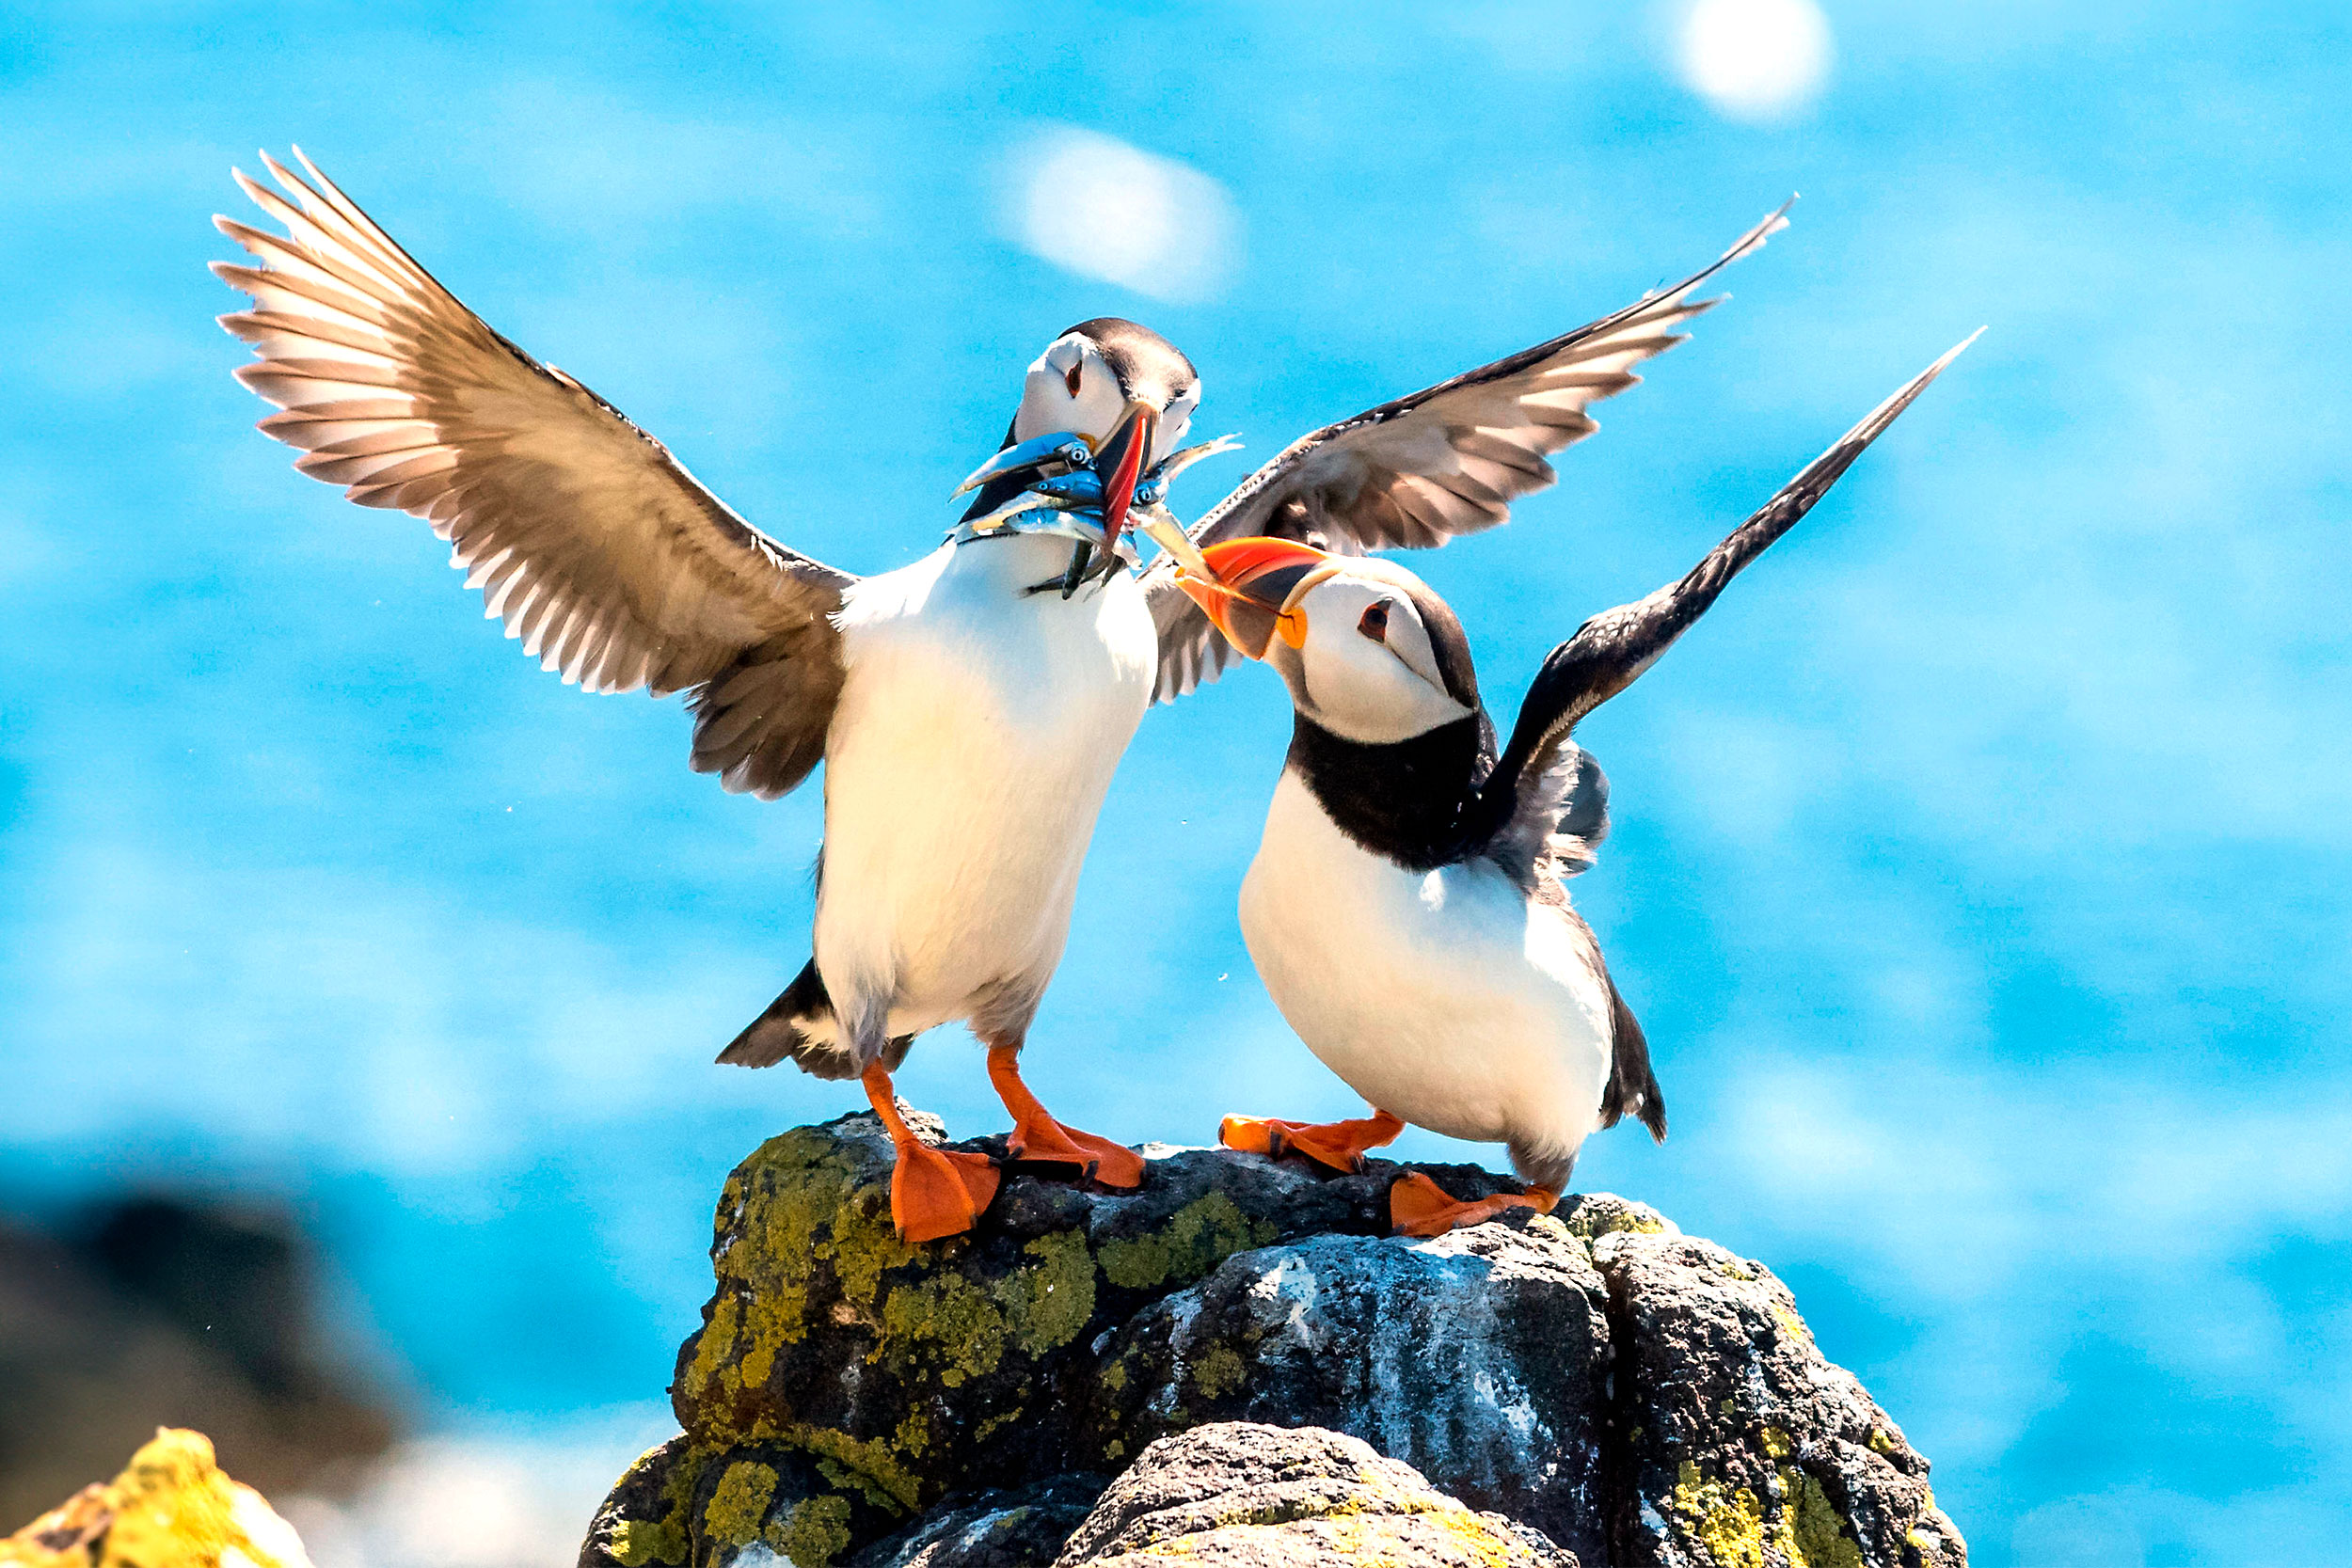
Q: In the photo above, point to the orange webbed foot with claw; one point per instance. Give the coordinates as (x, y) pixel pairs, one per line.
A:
(1036, 1136)
(935, 1193)
(1419, 1207)
(1340, 1145)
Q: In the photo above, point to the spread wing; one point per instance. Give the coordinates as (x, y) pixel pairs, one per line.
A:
(1531, 801)
(1445, 461)
(601, 554)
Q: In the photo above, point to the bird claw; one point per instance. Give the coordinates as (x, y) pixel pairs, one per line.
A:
(1339, 1145)
(1419, 1207)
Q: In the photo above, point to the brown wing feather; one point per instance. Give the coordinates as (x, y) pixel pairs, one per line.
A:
(594, 546)
(1445, 461)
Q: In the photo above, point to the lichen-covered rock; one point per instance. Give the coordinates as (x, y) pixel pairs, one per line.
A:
(1243, 1493)
(1475, 1356)
(1741, 1443)
(850, 1398)
(172, 1506)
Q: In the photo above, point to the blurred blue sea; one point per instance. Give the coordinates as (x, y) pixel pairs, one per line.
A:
(1984, 865)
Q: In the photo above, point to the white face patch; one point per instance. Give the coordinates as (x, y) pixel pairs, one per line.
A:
(1049, 407)
(1176, 421)
(1373, 689)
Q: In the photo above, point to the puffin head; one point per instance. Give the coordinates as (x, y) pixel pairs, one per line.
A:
(1367, 651)
(1124, 389)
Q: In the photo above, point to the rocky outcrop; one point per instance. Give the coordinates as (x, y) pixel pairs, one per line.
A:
(171, 1508)
(1609, 1390)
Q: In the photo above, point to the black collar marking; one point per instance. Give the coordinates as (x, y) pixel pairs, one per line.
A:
(1404, 801)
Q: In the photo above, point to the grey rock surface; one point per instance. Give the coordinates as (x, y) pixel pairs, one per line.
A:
(1475, 1356)
(1241, 1492)
(1023, 1528)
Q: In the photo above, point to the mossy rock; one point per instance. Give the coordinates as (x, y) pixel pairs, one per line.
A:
(1742, 1446)
(847, 1395)
(691, 1505)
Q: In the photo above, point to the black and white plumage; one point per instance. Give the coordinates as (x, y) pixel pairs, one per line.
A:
(969, 719)
(1407, 908)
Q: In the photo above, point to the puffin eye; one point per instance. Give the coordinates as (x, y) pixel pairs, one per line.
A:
(1070, 377)
(1374, 623)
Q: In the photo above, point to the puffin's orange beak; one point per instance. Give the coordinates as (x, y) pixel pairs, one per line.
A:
(1254, 591)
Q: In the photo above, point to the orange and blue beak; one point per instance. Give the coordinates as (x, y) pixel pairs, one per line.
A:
(1253, 590)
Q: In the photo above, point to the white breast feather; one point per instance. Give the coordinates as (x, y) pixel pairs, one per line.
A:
(976, 733)
(1448, 998)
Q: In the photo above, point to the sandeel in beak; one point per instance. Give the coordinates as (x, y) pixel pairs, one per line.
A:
(1063, 483)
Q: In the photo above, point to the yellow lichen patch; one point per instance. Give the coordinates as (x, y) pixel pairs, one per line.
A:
(1776, 1443)
(1790, 1323)
(171, 1508)
(1478, 1536)
(863, 1242)
(815, 1532)
(1802, 1529)
(739, 1506)
(638, 1542)
(1217, 1373)
(1115, 1376)
(865, 1466)
(1881, 1442)
(1049, 1303)
(1725, 1521)
(1592, 1221)
(714, 1351)
(1196, 1238)
(1735, 1271)
(914, 1435)
(944, 1323)
(1820, 1535)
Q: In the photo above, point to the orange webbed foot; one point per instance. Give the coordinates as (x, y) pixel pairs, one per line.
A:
(1340, 1145)
(938, 1193)
(935, 1193)
(1419, 1207)
(1036, 1136)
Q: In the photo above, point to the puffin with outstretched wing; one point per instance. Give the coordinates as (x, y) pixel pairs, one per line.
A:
(1407, 908)
(970, 707)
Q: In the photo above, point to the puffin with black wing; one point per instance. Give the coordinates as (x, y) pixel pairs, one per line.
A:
(1407, 908)
(971, 707)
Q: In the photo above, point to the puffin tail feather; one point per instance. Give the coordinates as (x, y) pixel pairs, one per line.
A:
(799, 1026)
(1632, 1086)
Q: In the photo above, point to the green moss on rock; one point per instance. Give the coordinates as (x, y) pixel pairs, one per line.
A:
(740, 1506)
(944, 1324)
(1736, 1530)
(1218, 1372)
(1048, 1303)
(866, 1467)
(1196, 1238)
(814, 1533)
(639, 1543)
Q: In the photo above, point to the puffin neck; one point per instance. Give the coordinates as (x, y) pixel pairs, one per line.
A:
(1403, 800)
